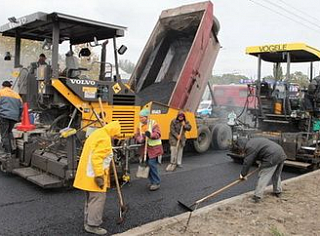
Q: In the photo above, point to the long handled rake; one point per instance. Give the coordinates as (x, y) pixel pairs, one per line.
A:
(196, 204)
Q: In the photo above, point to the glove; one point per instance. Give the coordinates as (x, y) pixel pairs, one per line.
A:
(99, 181)
(242, 177)
(148, 134)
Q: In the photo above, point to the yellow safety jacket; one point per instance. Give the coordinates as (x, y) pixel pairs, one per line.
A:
(10, 104)
(151, 142)
(96, 158)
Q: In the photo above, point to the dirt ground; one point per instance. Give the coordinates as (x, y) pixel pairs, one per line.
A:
(297, 212)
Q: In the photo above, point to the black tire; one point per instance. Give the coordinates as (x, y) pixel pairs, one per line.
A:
(221, 137)
(202, 143)
(216, 25)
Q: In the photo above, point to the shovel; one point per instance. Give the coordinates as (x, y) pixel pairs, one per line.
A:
(123, 208)
(143, 168)
(196, 204)
(173, 166)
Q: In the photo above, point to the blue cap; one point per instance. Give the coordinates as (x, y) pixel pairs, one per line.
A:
(144, 112)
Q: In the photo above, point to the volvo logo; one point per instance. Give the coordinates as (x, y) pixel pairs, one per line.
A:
(82, 81)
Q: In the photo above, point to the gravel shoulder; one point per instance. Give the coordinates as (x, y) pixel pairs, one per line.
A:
(295, 213)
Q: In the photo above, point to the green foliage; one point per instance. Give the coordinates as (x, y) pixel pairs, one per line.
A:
(297, 77)
(277, 72)
(126, 66)
(227, 79)
(276, 232)
(30, 50)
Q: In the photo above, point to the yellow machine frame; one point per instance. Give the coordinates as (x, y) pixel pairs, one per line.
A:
(303, 52)
(164, 121)
(128, 116)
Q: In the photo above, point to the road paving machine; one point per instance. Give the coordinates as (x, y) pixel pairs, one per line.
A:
(285, 112)
(66, 104)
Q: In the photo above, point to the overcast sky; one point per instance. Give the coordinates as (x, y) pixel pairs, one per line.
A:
(243, 23)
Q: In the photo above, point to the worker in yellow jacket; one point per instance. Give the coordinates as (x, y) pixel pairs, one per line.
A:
(93, 174)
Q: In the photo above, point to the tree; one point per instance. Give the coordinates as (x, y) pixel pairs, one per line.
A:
(277, 72)
(299, 78)
(30, 51)
(227, 79)
(126, 66)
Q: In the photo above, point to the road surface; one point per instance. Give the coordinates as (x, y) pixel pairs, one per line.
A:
(26, 209)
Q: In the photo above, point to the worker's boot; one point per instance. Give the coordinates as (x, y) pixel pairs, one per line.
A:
(154, 187)
(95, 230)
(4, 162)
(256, 199)
(278, 195)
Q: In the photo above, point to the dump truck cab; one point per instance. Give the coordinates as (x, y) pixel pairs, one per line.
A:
(283, 115)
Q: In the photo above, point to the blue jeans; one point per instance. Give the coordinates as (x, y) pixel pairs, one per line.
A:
(153, 173)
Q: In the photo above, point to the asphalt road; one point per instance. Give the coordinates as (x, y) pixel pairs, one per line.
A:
(26, 209)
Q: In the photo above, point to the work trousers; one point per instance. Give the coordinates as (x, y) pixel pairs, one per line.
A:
(176, 155)
(153, 173)
(6, 126)
(93, 208)
(265, 175)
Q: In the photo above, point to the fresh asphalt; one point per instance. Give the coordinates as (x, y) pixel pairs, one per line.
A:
(26, 209)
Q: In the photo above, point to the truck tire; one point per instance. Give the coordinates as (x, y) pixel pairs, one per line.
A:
(202, 143)
(216, 26)
(221, 137)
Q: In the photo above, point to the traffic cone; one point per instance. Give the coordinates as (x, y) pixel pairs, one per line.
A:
(25, 122)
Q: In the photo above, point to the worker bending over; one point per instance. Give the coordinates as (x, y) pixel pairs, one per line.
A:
(271, 156)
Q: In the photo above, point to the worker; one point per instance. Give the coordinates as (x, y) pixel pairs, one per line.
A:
(10, 114)
(72, 65)
(41, 61)
(311, 99)
(149, 134)
(271, 157)
(93, 174)
(178, 127)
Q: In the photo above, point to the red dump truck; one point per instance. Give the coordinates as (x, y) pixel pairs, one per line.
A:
(234, 96)
(173, 71)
